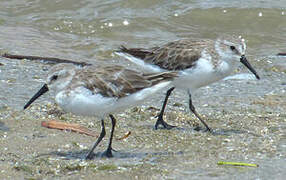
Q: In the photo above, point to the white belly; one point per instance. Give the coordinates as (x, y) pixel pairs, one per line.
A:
(81, 101)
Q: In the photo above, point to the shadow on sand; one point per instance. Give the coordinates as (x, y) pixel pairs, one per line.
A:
(116, 154)
(224, 132)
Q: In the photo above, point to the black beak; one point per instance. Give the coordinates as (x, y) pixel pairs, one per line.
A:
(244, 61)
(42, 91)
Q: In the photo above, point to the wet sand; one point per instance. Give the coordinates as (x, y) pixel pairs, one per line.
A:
(248, 127)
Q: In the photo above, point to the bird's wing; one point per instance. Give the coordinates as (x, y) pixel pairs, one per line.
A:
(176, 55)
(117, 81)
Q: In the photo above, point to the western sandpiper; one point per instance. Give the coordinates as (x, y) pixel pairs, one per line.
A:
(199, 62)
(100, 91)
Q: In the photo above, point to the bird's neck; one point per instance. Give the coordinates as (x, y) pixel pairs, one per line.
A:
(226, 67)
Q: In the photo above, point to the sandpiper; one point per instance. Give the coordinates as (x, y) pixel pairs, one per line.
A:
(100, 91)
(199, 62)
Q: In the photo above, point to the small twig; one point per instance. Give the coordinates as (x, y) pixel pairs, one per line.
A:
(46, 59)
(281, 54)
(75, 128)
(68, 126)
(237, 164)
(125, 136)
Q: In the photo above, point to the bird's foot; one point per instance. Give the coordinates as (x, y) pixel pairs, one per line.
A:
(90, 156)
(198, 128)
(107, 153)
(165, 125)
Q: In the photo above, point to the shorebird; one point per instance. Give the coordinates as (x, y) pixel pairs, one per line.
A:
(199, 62)
(100, 91)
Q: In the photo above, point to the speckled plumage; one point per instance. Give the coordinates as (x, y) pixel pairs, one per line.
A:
(181, 54)
(199, 62)
(116, 81)
(177, 55)
(101, 90)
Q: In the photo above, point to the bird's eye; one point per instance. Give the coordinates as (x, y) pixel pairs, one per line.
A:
(232, 48)
(54, 77)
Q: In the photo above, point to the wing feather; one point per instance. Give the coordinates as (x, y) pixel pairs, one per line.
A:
(117, 81)
(176, 55)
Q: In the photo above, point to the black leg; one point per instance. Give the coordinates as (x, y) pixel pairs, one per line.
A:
(192, 108)
(107, 152)
(160, 116)
(90, 155)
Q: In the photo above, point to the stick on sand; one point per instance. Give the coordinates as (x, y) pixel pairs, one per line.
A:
(45, 59)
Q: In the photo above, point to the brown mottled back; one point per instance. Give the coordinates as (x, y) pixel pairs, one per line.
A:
(176, 55)
(116, 81)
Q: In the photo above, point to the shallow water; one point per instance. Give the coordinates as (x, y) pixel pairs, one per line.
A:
(91, 30)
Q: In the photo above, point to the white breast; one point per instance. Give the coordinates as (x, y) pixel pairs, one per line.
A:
(202, 74)
(81, 101)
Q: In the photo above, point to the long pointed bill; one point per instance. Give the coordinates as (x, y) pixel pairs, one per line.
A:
(42, 91)
(244, 61)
